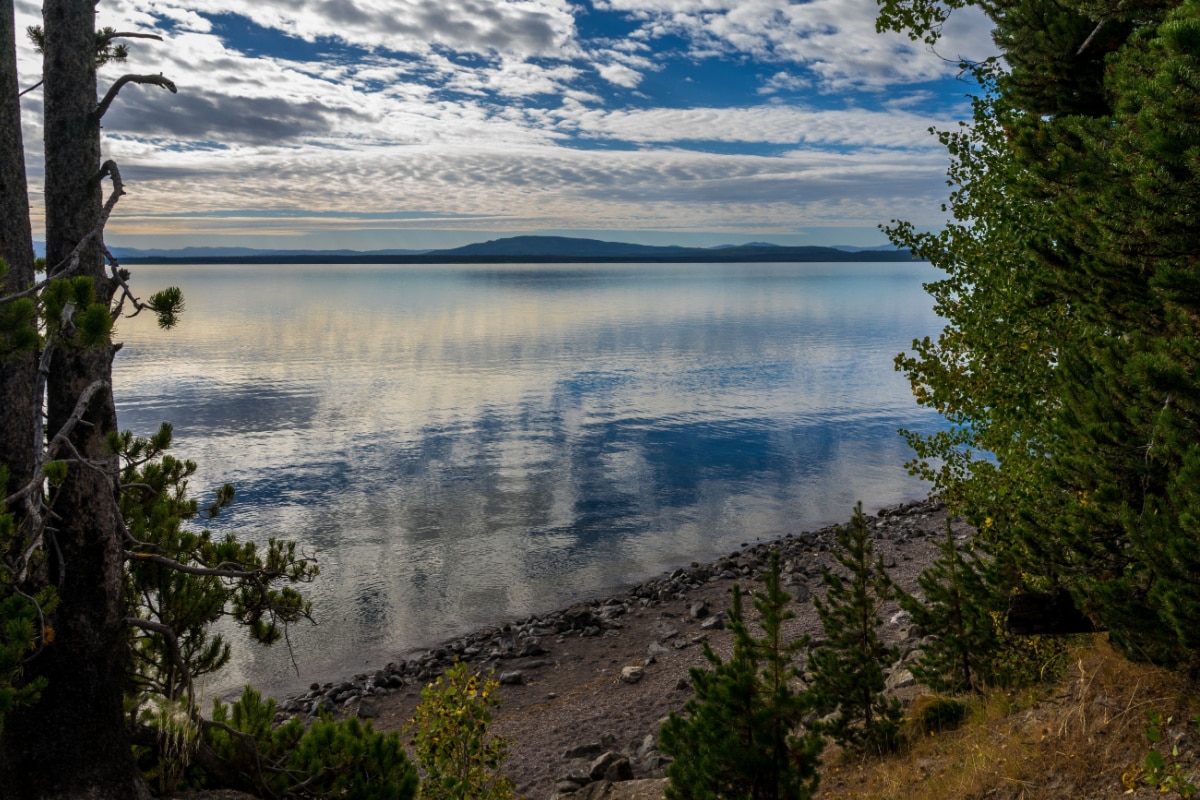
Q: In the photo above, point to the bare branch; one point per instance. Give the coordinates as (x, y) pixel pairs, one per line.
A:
(1092, 35)
(68, 266)
(32, 290)
(41, 620)
(108, 37)
(151, 80)
(126, 292)
(30, 490)
(24, 92)
(39, 421)
(176, 656)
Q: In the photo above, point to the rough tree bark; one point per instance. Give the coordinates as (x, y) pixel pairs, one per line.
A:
(73, 743)
(17, 375)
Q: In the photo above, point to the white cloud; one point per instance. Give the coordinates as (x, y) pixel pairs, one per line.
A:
(763, 124)
(497, 109)
(783, 81)
(524, 27)
(518, 187)
(620, 75)
(835, 39)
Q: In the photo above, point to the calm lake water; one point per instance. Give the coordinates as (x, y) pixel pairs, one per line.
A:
(465, 444)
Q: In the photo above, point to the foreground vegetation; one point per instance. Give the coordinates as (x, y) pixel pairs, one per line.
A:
(1089, 733)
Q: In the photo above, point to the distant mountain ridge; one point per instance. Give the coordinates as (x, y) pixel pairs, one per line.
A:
(516, 249)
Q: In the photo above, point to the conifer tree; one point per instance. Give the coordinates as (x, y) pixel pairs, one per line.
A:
(741, 735)
(1072, 303)
(957, 609)
(848, 670)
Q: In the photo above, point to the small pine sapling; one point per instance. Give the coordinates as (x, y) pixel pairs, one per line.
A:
(848, 670)
(741, 735)
(956, 610)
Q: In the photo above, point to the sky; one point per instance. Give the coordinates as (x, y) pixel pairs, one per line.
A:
(372, 124)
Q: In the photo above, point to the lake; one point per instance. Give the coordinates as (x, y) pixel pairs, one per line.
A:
(460, 445)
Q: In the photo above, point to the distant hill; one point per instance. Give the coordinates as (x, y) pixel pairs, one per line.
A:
(879, 248)
(517, 249)
(747, 244)
(567, 246)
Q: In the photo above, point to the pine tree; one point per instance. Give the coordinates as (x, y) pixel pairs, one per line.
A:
(1072, 302)
(957, 609)
(741, 735)
(848, 670)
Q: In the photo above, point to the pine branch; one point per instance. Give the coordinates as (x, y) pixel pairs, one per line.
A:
(223, 570)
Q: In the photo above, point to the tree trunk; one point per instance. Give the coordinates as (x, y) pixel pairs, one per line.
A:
(18, 375)
(73, 742)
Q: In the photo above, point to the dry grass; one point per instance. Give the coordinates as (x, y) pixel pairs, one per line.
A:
(1082, 738)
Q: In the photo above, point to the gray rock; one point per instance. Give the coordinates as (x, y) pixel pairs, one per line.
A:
(632, 674)
(655, 650)
(512, 678)
(698, 610)
(532, 648)
(600, 766)
(663, 631)
(619, 770)
(800, 592)
(899, 679)
(593, 791)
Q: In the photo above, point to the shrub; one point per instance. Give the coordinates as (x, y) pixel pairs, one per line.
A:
(345, 759)
(934, 714)
(450, 735)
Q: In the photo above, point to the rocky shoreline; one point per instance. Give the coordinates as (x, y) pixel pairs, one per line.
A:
(492, 647)
(584, 688)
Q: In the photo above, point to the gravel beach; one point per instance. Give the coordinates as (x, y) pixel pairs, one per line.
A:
(584, 689)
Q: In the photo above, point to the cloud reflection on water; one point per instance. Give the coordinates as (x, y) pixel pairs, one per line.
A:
(467, 444)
